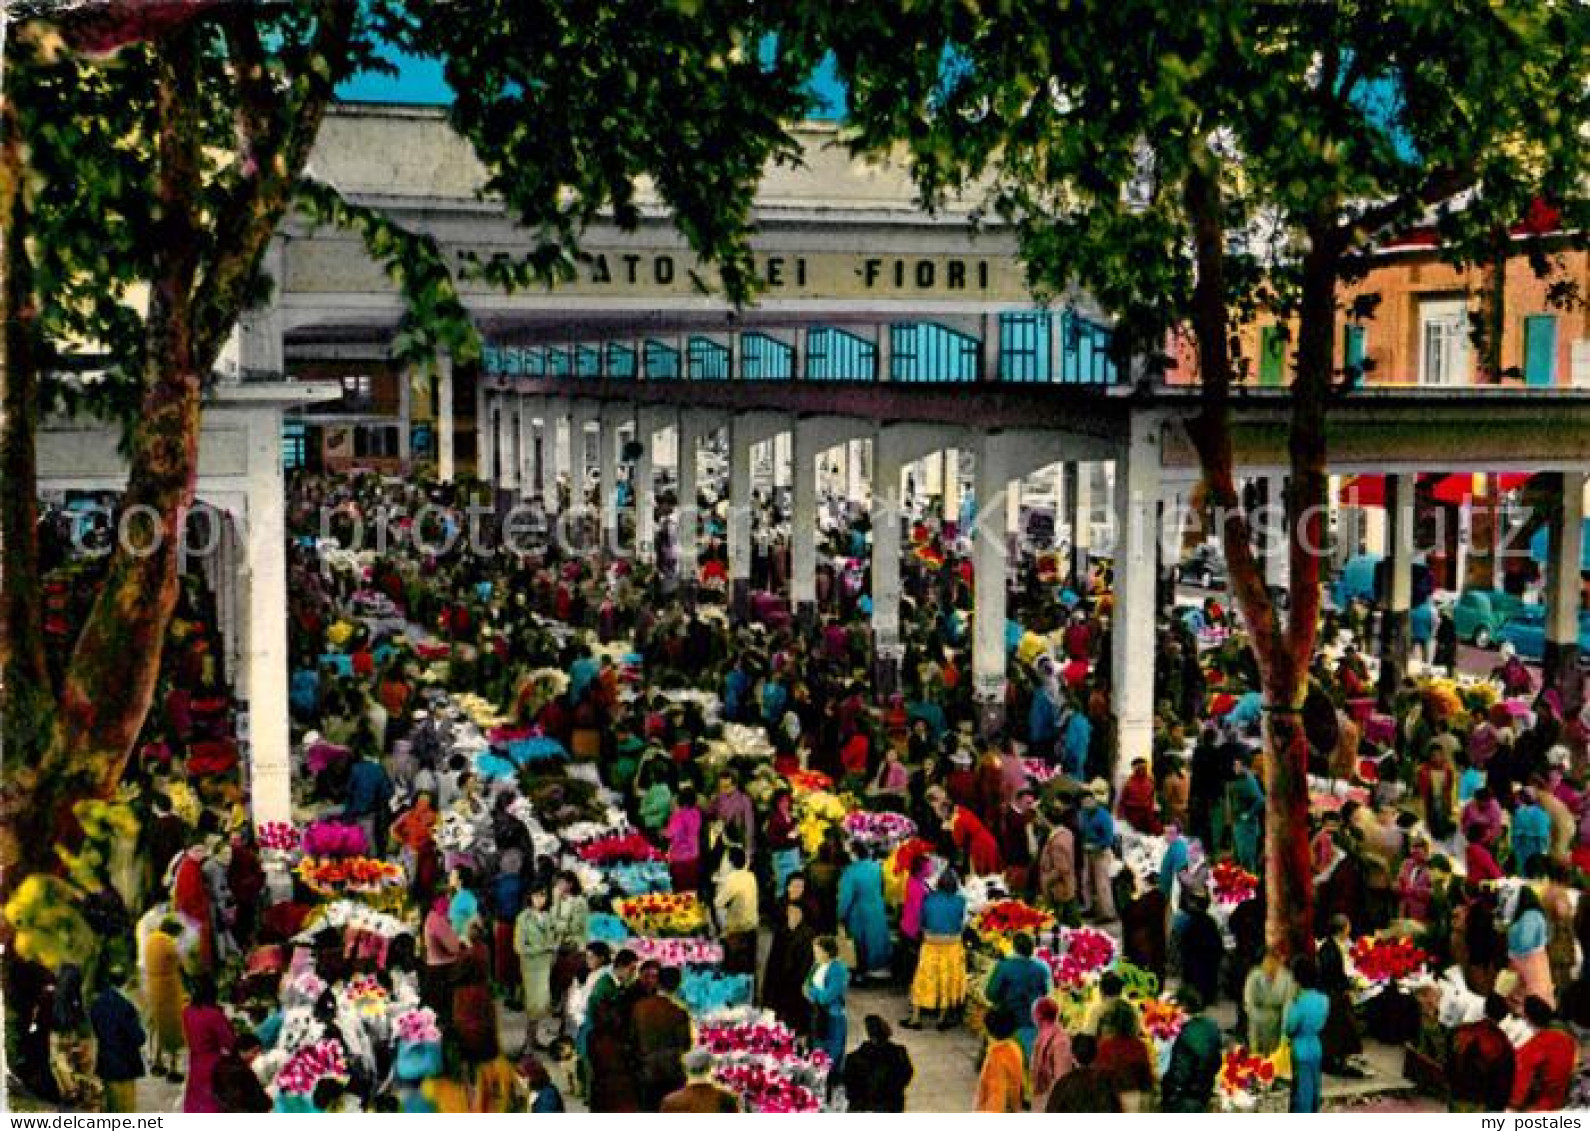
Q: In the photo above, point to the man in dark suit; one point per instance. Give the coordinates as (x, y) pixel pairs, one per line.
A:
(661, 1028)
(699, 1095)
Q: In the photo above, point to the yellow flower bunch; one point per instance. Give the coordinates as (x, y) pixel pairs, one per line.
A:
(818, 811)
(1442, 697)
(49, 929)
(339, 634)
(184, 802)
(676, 914)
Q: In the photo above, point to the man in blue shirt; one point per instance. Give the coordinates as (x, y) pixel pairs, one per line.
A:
(1098, 847)
(369, 799)
(1015, 986)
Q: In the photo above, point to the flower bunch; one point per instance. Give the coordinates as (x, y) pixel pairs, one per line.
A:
(418, 1026)
(765, 1090)
(364, 989)
(310, 1065)
(335, 838)
(1243, 1075)
(809, 781)
(1040, 772)
(1085, 952)
(637, 879)
(617, 848)
(455, 833)
(744, 1031)
(704, 990)
(819, 810)
(279, 836)
(1004, 918)
(663, 913)
(1387, 960)
(353, 916)
(678, 952)
(361, 874)
(1163, 1020)
(878, 830)
(306, 987)
(1232, 884)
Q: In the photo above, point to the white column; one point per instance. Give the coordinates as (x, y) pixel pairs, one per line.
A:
(803, 521)
(551, 442)
(526, 446)
(405, 410)
(1137, 477)
(261, 353)
(1565, 595)
(687, 522)
(444, 418)
(887, 517)
(855, 479)
(607, 462)
(951, 480)
(263, 680)
(642, 486)
(507, 422)
(580, 418)
(1398, 598)
(989, 555)
(1276, 566)
(741, 516)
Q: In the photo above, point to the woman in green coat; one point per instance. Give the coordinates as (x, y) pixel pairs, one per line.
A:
(535, 940)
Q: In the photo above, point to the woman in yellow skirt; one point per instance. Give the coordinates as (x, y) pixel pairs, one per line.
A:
(940, 982)
(163, 998)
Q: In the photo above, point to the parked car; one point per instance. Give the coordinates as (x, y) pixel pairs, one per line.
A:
(1526, 632)
(1360, 580)
(1480, 613)
(1204, 567)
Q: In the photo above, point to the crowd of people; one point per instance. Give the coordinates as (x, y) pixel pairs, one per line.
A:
(568, 830)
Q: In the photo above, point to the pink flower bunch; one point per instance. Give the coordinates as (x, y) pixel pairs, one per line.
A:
(879, 829)
(418, 1026)
(308, 986)
(1086, 952)
(365, 987)
(615, 849)
(761, 1090)
(310, 1065)
(772, 1038)
(334, 838)
(1039, 772)
(1163, 1020)
(678, 952)
(279, 836)
(1232, 883)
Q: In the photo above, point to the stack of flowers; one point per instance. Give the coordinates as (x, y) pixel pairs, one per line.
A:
(981, 891)
(638, 879)
(819, 810)
(280, 837)
(366, 994)
(336, 839)
(808, 781)
(704, 990)
(876, 831)
(419, 1046)
(1381, 961)
(310, 1065)
(678, 952)
(355, 875)
(617, 848)
(1232, 884)
(1243, 1076)
(675, 914)
(1083, 955)
(766, 1091)
(1003, 919)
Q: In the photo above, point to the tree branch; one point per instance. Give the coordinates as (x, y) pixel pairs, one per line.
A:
(1371, 224)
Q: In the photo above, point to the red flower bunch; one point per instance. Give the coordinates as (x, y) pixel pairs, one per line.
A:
(1009, 916)
(1232, 883)
(663, 913)
(906, 856)
(333, 875)
(1242, 1071)
(776, 1040)
(626, 849)
(1387, 960)
(1087, 951)
(1163, 1020)
(810, 781)
(763, 1091)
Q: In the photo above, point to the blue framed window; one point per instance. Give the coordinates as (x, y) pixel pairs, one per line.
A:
(928, 352)
(1353, 339)
(1024, 346)
(491, 359)
(662, 362)
(559, 363)
(1085, 352)
(707, 360)
(587, 361)
(838, 355)
(295, 445)
(765, 359)
(620, 361)
(535, 362)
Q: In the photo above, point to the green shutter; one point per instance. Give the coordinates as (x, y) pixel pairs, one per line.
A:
(1540, 349)
(1353, 354)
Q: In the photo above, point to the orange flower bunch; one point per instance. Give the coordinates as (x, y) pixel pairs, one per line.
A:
(663, 913)
(334, 875)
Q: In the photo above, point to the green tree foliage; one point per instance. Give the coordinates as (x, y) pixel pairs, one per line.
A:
(1192, 165)
(148, 153)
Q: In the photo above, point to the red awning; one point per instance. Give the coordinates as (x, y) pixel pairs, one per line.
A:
(1456, 489)
(1363, 491)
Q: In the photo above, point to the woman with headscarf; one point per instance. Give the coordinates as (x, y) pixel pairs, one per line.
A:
(864, 914)
(209, 1036)
(1304, 1025)
(826, 987)
(163, 997)
(789, 959)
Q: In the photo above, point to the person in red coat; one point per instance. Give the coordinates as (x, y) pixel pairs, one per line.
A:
(972, 838)
(1139, 804)
(1481, 1068)
(191, 896)
(1545, 1064)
